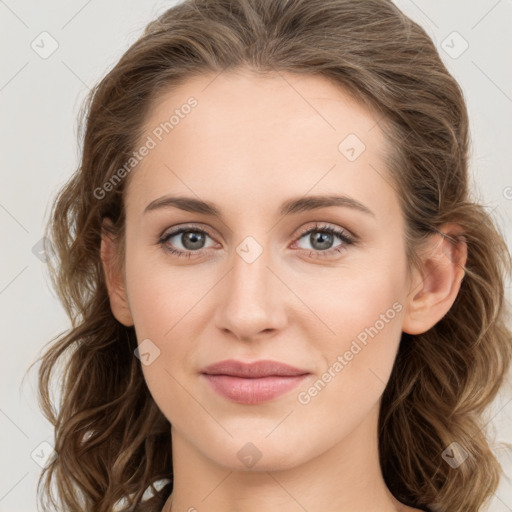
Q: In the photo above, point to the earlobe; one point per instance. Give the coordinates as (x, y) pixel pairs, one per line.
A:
(435, 287)
(114, 279)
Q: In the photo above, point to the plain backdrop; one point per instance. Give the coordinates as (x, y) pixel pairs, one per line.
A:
(51, 54)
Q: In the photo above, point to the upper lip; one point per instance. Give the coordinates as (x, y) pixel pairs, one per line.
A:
(255, 369)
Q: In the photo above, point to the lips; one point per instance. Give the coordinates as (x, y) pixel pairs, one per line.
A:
(252, 383)
(254, 370)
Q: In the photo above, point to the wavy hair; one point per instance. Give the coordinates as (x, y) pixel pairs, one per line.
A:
(112, 441)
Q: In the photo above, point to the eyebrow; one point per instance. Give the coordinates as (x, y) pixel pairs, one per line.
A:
(289, 207)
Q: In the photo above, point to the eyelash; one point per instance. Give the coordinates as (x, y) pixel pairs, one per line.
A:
(342, 234)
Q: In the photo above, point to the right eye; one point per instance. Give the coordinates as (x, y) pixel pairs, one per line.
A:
(190, 237)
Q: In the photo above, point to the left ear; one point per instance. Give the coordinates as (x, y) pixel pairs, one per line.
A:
(435, 286)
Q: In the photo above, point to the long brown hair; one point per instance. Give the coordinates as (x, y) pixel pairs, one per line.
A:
(112, 441)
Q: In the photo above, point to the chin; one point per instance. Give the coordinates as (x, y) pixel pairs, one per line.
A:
(257, 455)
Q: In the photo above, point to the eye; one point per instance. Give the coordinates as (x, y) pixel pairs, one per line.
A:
(190, 238)
(321, 239)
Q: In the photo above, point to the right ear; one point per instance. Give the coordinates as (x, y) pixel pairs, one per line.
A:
(114, 278)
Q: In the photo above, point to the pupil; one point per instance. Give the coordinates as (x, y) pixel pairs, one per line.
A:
(324, 239)
(192, 240)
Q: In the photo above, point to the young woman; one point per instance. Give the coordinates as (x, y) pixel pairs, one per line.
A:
(281, 292)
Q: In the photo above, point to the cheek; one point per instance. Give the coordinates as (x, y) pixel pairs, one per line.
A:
(359, 332)
(162, 297)
(349, 299)
(166, 307)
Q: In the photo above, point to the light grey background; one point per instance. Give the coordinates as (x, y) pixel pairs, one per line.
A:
(39, 100)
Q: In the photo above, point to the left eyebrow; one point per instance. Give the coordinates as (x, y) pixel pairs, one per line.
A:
(289, 207)
(307, 203)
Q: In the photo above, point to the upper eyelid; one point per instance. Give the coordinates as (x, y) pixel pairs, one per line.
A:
(321, 226)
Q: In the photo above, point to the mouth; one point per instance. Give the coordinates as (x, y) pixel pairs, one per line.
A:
(253, 383)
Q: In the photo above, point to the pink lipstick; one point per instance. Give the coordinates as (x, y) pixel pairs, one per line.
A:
(252, 383)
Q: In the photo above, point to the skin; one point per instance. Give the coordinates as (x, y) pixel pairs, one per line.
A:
(250, 144)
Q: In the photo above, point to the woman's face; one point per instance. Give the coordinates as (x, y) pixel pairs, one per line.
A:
(262, 279)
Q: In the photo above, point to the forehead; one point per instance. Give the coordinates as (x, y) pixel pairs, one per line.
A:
(249, 135)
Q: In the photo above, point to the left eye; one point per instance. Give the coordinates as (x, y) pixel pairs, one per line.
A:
(321, 238)
(192, 239)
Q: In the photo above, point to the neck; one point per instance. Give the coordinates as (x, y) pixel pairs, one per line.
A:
(346, 477)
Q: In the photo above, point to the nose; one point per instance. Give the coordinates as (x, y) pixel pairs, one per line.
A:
(252, 302)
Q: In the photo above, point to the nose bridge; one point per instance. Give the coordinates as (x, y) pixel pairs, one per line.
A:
(249, 302)
(249, 280)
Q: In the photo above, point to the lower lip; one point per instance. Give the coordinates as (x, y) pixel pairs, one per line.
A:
(253, 391)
